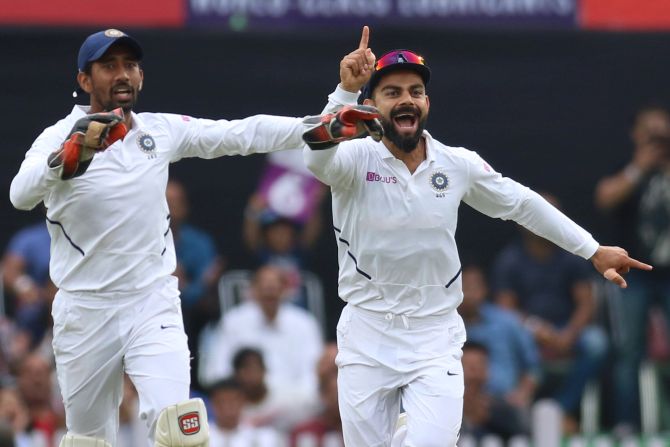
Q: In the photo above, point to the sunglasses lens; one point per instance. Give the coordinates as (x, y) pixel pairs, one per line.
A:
(399, 57)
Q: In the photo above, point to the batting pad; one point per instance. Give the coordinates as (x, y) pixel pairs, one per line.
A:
(183, 425)
(82, 441)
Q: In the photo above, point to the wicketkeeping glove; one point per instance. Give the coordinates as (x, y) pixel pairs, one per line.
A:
(90, 134)
(325, 131)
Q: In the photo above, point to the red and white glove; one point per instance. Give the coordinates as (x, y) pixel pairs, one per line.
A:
(358, 121)
(90, 134)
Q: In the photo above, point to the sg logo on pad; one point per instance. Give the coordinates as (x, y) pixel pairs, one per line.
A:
(189, 423)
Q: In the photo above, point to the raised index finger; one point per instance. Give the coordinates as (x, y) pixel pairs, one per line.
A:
(634, 263)
(365, 36)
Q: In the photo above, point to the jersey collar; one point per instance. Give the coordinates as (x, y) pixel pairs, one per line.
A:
(384, 153)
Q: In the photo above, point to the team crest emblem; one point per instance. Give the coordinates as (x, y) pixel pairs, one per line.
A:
(114, 33)
(147, 144)
(439, 181)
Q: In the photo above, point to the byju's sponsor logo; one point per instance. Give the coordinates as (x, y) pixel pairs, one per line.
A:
(374, 177)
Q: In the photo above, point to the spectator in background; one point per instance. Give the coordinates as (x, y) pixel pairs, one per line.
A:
(14, 345)
(552, 292)
(228, 430)
(324, 430)
(133, 431)
(283, 220)
(249, 372)
(638, 197)
(326, 365)
(34, 384)
(288, 337)
(281, 247)
(483, 412)
(25, 276)
(14, 413)
(512, 352)
(289, 190)
(6, 435)
(198, 270)
(265, 405)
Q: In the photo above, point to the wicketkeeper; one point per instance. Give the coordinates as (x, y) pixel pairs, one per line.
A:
(102, 172)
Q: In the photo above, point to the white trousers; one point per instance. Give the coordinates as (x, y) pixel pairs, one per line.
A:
(99, 336)
(384, 359)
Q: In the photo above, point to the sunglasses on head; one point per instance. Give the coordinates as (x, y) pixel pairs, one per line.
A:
(399, 57)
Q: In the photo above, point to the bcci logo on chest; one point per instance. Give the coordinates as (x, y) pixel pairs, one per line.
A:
(439, 182)
(147, 144)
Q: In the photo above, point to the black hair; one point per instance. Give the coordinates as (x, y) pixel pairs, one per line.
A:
(649, 107)
(229, 383)
(89, 65)
(476, 346)
(240, 358)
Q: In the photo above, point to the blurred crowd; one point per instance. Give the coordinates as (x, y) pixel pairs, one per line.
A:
(539, 324)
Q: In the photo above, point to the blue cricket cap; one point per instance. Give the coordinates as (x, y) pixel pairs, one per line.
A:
(96, 44)
(395, 60)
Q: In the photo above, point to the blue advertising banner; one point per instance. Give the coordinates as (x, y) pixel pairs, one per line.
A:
(259, 14)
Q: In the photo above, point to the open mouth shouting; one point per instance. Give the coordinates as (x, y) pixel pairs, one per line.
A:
(122, 93)
(404, 127)
(406, 120)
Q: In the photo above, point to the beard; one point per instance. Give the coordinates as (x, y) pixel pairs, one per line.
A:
(127, 106)
(406, 143)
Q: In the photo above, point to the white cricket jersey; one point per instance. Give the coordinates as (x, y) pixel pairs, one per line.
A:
(395, 231)
(110, 227)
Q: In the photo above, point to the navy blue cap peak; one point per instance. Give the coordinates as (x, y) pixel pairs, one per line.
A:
(98, 43)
